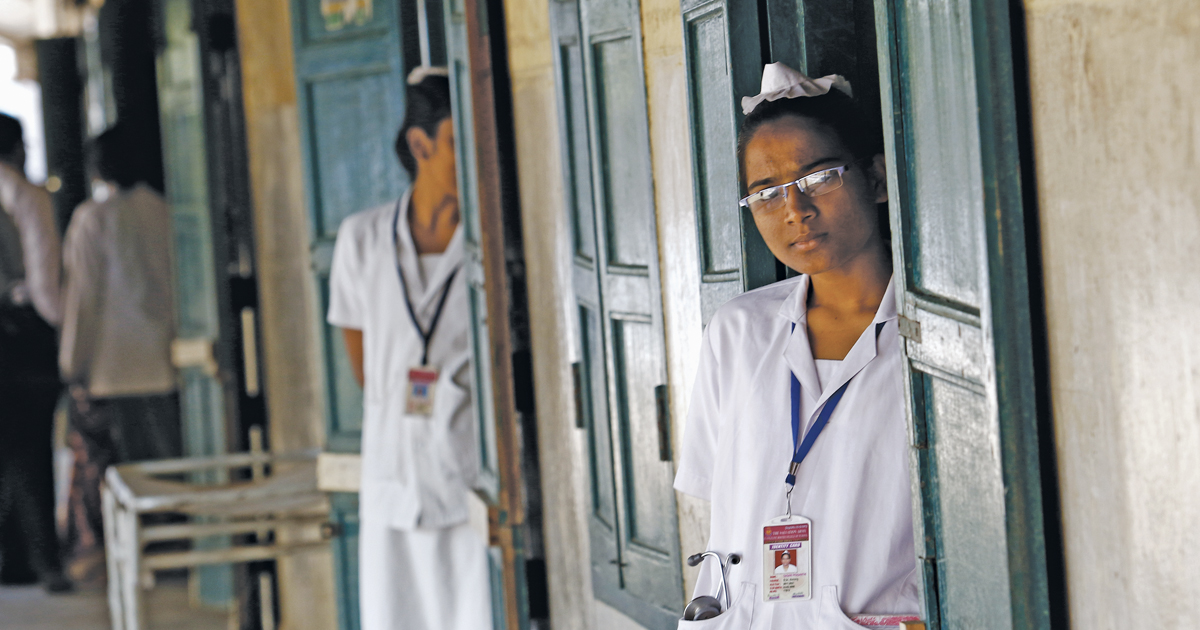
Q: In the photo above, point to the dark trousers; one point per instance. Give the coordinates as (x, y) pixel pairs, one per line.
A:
(29, 391)
(107, 431)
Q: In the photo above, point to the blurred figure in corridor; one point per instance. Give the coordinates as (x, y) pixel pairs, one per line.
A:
(29, 383)
(118, 325)
(398, 294)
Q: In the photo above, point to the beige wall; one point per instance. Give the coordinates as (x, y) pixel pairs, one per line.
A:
(1116, 95)
(671, 148)
(287, 295)
(548, 264)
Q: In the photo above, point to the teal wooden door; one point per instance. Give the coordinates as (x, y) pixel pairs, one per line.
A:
(458, 59)
(958, 221)
(622, 369)
(203, 396)
(458, 47)
(350, 77)
(726, 44)
(590, 371)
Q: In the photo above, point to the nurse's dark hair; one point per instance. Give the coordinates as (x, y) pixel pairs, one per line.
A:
(835, 110)
(428, 104)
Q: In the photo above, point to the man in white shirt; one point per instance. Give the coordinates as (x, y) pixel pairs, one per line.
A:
(118, 325)
(29, 383)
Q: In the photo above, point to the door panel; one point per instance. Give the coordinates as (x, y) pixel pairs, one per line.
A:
(458, 54)
(353, 175)
(634, 530)
(599, 432)
(724, 62)
(625, 169)
(350, 85)
(949, 220)
(591, 387)
(718, 222)
(954, 196)
(941, 227)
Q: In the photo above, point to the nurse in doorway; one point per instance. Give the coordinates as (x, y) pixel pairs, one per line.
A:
(397, 293)
(796, 432)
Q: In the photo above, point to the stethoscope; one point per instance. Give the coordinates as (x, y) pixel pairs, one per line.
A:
(707, 606)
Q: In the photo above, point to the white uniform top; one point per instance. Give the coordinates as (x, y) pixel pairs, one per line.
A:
(30, 255)
(416, 470)
(854, 484)
(118, 299)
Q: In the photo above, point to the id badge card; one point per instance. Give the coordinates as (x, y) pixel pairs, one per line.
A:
(787, 559)
(422, 382)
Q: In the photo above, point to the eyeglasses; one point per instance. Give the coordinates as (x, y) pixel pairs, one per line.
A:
(822, 182)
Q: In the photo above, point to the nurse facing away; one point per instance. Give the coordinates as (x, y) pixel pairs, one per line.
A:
(796, 432)
(398, 295)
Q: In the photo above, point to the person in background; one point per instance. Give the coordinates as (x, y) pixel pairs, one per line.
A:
(118, 325)
(29, 382)
(399, 296)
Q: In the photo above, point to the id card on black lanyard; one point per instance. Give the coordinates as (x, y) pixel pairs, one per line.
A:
(421, 385)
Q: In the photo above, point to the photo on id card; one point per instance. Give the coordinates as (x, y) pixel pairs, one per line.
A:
(787, 559)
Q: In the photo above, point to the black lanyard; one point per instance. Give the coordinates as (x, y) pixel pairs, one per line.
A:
(412, 313)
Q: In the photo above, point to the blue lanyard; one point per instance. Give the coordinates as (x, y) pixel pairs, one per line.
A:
(800, 449)
(412, 313)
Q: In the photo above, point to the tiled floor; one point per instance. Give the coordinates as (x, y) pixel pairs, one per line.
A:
(30, 608)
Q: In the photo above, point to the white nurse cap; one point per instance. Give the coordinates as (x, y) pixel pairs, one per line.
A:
(780, 81)
(420, 73)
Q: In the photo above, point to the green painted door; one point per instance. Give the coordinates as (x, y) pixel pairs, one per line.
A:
(351, 64)
(958, 221)
(726, 44)
(622, 370)
(203, 396)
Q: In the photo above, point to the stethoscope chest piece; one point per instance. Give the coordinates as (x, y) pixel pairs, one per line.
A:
(703, 607)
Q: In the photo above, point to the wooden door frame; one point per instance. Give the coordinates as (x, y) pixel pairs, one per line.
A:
(506, 307)
(1016, 321)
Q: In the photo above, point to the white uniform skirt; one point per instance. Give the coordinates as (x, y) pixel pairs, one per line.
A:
(423, 579)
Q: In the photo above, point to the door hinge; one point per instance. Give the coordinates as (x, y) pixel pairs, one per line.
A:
(664, 423)
(331, 530)
(910, 329)
(577, 380)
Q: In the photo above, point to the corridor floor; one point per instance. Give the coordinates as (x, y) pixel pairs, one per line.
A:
(30, 608)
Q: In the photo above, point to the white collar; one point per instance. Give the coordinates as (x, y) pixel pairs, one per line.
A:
(798, 353)
(450, 261)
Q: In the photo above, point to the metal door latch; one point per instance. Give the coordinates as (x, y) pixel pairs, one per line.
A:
(910, 329)
(330, 530)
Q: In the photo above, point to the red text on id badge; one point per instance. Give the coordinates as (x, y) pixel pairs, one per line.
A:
(787, 559)
(422, 382)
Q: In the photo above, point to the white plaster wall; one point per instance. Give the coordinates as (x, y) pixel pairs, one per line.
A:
(1116, 100)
